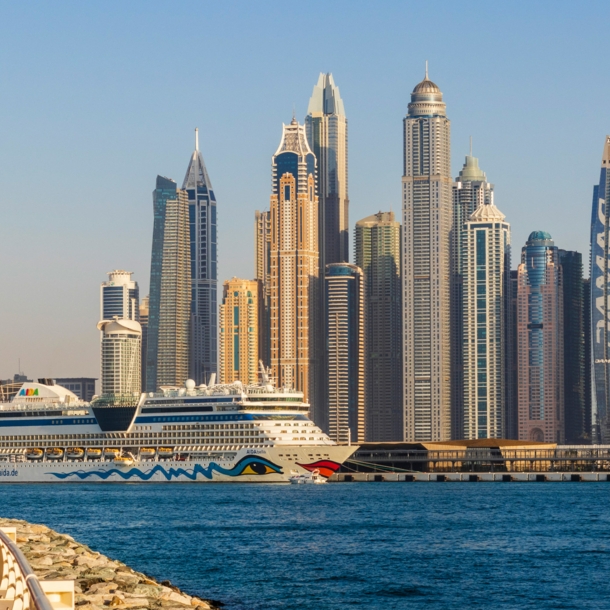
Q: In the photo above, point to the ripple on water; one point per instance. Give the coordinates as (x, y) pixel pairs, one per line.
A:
(386, 547)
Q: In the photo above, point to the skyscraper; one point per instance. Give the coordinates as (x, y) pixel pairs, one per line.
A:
(295, 331)
(586, 307)
(119, 296)
(344, 288)
(540, 341)
(377, 253)
(262, 268)
(326, 126)
(600, 296)
(121, 357)
(470, 190)
(512, 404)
(485, 273)
(170, 288)
(238, 316)
(144, 325)
(426, 227)
(574, 348)
(203, 329)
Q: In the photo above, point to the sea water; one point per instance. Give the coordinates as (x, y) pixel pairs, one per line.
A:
(350, 545)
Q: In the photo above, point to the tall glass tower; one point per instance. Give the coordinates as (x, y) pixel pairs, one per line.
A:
(600, 297)
(326, 126)
(426, 211)
(470, 191)
(170, 295)
(540, 341)
(203, 329)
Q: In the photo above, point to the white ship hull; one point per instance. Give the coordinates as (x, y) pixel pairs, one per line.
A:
(264, 465)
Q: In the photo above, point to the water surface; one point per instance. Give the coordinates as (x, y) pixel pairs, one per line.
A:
(379, 546)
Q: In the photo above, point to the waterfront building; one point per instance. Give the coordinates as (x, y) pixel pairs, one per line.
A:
(295, 324)
(574, 348)
(238, 318)
(203, 237)
(540, 341)
(326, 126)
(345, 400)
(485, 275)
(600, 295)
(588, 390)
(470, 190)
(83, 387)
(377, 253)
(144, 306)
(512, 403)
(262, 268)
(119, 296)
(426, 227)
(167, 355)
(121, 357)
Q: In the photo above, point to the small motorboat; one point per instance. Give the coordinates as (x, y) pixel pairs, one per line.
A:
(34, 454)
(306, 478)
(124, 460)
(111, 452)
(166, 453)
(94, 453)
(148, 452)
(75, 453)
(55, 453)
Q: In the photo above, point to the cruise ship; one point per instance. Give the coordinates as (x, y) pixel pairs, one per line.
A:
(215, 433)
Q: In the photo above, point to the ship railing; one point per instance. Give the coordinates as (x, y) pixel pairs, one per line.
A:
(20, 588)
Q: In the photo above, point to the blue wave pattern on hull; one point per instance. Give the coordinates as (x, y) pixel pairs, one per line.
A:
(249, 465)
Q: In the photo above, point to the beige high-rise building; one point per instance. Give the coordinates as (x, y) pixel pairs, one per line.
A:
(238, 318)
(262, 266)
(426, 226)
(295, 331)
(377, 253)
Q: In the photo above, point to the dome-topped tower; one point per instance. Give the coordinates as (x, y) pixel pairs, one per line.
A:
(540, 238)
(426, 99)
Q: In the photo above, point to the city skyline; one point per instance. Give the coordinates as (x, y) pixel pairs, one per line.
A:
(133, 146)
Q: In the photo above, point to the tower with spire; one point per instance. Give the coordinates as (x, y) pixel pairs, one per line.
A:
(600, 297)
(426, 213)
(470, 190)
(203, 328)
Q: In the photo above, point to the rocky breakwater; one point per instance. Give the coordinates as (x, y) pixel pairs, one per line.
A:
(100, 583)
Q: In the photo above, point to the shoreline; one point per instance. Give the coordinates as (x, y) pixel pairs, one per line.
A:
(99, 581)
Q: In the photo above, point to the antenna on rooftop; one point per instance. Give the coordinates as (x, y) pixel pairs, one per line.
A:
(426, 69)
(197, 139)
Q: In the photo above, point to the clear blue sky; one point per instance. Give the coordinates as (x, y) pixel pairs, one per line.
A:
(96, 99)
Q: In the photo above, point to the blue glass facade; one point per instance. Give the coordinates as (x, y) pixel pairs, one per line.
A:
(165, 190)
(203, 335)
(600, 287)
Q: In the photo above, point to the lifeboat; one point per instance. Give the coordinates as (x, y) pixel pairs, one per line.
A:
(34, 454)
(166, 453)
(94, 453)
(124, 460)
(55, 453)
(148, 452)
(111, 452)
(75, 453)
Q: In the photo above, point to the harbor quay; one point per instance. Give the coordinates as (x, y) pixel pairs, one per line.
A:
(476, 460)
(41, 569)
